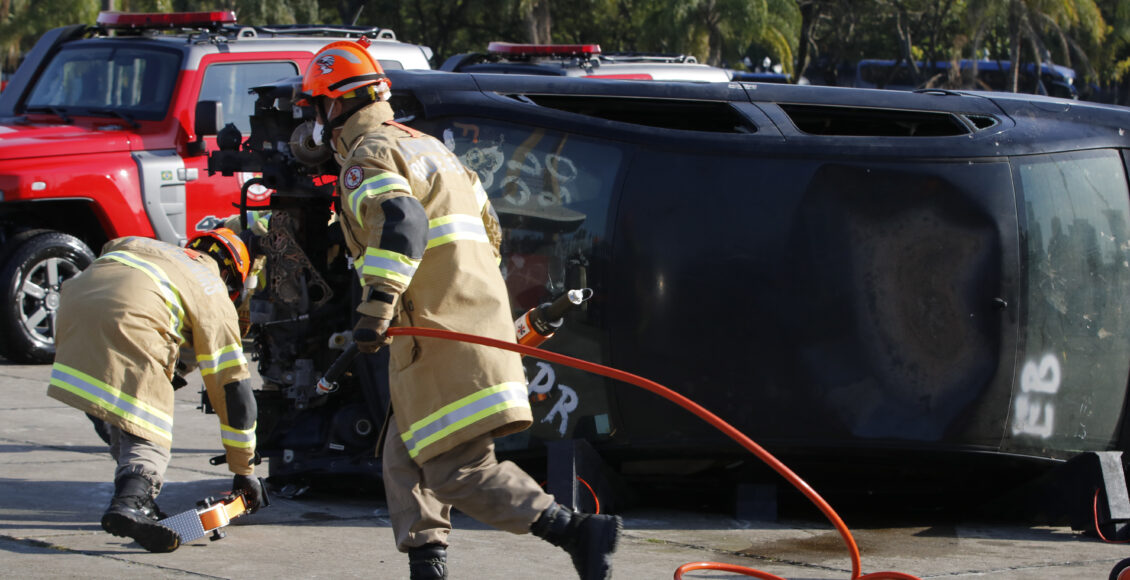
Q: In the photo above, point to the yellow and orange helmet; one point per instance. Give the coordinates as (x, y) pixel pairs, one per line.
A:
(229, 251)
(340, 68)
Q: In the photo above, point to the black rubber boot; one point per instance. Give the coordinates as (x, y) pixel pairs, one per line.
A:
(428, 562)
(589, 538)
(133, 514)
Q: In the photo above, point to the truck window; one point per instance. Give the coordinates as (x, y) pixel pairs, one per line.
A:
(132, 81)
(230, 83)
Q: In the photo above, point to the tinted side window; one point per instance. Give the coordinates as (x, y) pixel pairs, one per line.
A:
(229, 83)
(552, 192)
(1072, 373)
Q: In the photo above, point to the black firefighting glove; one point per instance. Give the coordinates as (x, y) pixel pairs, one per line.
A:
(252, 491)
(370, 333)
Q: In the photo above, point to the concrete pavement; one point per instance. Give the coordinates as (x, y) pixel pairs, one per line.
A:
(55, 481)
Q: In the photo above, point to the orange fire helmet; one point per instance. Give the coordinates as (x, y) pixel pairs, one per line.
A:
(224, 246)
(340, 68)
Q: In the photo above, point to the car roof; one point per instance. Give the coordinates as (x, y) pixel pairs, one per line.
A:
(938, 123)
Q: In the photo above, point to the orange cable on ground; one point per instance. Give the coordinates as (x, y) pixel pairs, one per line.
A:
(1098, 528)
(702, 413)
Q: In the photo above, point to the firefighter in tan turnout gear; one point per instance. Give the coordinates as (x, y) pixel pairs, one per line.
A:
(122, 324)
(425, 243)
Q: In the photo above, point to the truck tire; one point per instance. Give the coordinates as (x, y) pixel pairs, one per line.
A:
(31, 275)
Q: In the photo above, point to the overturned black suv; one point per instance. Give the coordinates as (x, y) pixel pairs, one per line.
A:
(885, 282)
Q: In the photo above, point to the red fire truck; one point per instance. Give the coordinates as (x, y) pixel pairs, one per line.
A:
(97, 142)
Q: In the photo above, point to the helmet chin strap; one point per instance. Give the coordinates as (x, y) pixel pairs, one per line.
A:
(323, 132)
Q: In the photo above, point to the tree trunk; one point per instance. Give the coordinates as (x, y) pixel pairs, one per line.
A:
(809, 13)
(348, 10)
(538, 22)
(1014, 28)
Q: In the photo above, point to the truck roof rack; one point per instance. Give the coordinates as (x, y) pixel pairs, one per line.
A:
(223, 22)
(374, 32)
(647, 57)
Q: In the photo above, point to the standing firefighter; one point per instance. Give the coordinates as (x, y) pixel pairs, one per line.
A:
(425, 242)
(122, 324)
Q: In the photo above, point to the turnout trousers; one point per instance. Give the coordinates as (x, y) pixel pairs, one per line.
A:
(468, 477)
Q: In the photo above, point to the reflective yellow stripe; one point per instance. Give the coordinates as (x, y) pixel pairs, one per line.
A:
(227, 357)
(466, 411)
(164, 284)
(388, 264)
(242, 438)
(454, 227)
(376, 185)
(111, 399)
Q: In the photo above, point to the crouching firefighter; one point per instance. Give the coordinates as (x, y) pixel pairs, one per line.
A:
(121, 325)
(425, 243)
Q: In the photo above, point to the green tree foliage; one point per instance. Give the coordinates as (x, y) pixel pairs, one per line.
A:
(1111, 58)
(819, 39)
(780, 36)
(25, 21)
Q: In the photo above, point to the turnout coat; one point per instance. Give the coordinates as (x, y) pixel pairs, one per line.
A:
(121, 326)
(425, 243)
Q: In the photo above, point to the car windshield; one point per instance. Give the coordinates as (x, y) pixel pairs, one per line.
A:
(134, 82)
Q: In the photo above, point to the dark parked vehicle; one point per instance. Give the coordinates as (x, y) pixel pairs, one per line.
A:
(854, 278)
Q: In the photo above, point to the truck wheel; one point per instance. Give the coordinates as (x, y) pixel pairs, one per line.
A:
(31, 276)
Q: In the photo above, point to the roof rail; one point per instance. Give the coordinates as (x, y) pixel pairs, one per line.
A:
(647, 57)
(374, 32)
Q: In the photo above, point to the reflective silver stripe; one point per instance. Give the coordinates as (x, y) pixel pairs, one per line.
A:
(168, 290)
(388, 264)
(480, 195)
(227, 357)
(454, 227)
(376, 185)
(111, 399)
(466, 411)
(242, 438)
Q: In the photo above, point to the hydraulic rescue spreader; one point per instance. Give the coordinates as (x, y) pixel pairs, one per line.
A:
(211, 515)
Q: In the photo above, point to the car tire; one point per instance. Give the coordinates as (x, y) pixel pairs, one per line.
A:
(31, 275)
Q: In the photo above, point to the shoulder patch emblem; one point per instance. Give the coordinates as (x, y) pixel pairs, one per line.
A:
(353, 177)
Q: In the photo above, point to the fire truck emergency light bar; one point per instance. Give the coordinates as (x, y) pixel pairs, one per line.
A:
(132, 20)
(519, 50)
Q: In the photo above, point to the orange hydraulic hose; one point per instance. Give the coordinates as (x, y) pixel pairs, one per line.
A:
(702, 413)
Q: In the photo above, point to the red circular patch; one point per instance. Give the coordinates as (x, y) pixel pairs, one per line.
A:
(353, 177)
